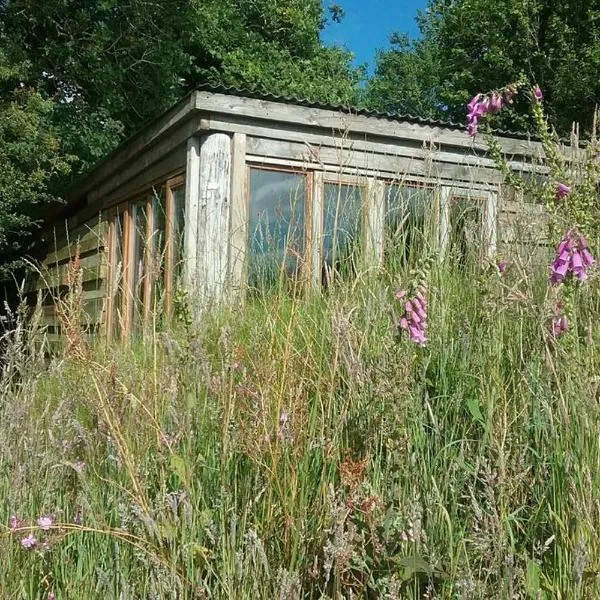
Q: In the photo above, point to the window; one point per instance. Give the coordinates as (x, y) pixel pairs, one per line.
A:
(145, 257)
(276, 225)
(466, 239)
(342, 211)
(408, 219)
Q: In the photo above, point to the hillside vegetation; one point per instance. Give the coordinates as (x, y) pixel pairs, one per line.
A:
(303, 448)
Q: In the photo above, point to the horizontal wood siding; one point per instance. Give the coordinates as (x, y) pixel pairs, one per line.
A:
(56, 272)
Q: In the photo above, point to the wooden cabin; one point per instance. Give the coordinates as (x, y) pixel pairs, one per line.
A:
(227, 187)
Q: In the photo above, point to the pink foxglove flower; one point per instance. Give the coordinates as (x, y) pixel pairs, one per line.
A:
(572, 256)
(537, 93)
(414, 319)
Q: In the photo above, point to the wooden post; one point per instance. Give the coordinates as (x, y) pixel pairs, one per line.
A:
(213, 217)
(239, 216)
(445, 194)
(374, 221)
(192, 190)
(315, 251)
(491, 220)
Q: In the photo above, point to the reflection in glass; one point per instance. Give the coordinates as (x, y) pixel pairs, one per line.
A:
(118, 278)
(407, 213)
(341, 224)
(276, 225)
(178, 231)
(466, 229)
(157, 247)
(139, 263)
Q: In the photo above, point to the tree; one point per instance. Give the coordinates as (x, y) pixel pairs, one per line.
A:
(481, 45)
(112, 65)
(88, 73)
(30, 162)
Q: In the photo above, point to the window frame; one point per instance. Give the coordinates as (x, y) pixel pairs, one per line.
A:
(304, 260)
(126, 301)
(488, 221)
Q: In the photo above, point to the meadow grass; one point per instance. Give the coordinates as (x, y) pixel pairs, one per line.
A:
(297, 447)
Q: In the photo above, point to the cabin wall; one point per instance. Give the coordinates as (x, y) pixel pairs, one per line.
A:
(204, 156)
(76, 262)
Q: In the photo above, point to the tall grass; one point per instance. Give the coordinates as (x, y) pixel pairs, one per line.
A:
(296, 447)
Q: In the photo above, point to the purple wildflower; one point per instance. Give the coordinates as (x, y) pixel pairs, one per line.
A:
(572, 256)
(29, 542)
(45, 523)
(502, 266)
(51, 596)
(14, 522)
(562, 191)
(537, 93)
(414, 319)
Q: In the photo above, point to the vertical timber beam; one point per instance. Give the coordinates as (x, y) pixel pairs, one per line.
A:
(315, 250)
(444, 217)
(374, 217)
(213, 217)
(491, 223)
(238, 245)
(190, 237)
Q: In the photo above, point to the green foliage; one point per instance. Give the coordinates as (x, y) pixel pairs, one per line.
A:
(473, 45)
(30, 162)
(407, 80)
(94, 72)
(293, 448)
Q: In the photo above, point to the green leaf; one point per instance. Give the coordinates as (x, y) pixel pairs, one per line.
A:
(475, 410)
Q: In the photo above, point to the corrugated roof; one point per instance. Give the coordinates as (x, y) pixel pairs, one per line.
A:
(258, 94)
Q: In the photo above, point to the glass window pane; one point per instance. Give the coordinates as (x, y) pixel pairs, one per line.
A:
(139, 263)
(157, 247)
(276, 224)
(466, 228)
(341, 222)
(407, 212)
(178, 232)
(118, 279)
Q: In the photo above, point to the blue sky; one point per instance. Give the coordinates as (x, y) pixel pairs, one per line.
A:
(368, 24)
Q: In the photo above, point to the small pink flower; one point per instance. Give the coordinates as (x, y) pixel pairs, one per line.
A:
(502, 266)
(51, 596)
(400, 294)
(45, 523)
(562, 191)
(29, 542)
(79, 466)
(537, 93)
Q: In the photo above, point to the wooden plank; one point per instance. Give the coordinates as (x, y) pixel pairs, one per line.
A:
(315, 142)
(126, 308)
(111, 254)
(239, 215)
(137, 145)
(491, 223)
(444, 209)
(334, 120)
(380, 163)
(374, 222)
(213, 221)
(88, 238)
(169, 249)
(147, 283)
(93, 268)
(145, 162)
(315, 243)
(192, 191)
